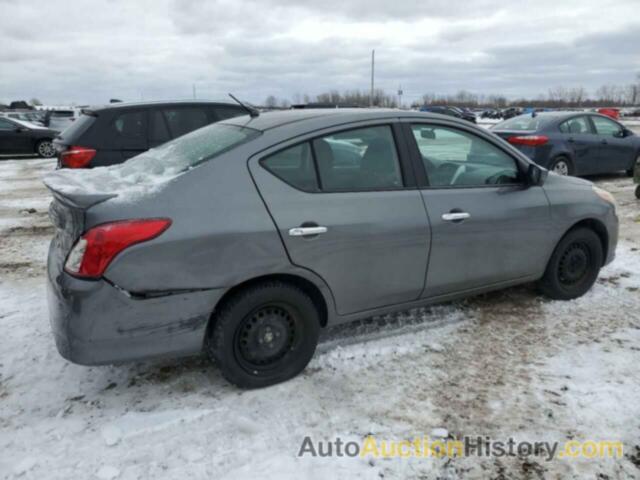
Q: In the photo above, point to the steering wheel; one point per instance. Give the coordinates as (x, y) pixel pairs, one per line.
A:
(500, 177)
(459, 171)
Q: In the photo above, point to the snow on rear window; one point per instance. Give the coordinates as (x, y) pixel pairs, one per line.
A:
(147, 171)
(191, 149)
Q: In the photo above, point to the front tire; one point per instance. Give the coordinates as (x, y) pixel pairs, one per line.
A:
(638, 192)
(562, 166)
(264, 335)
(631, 171)
(45, 149)
(574, 265)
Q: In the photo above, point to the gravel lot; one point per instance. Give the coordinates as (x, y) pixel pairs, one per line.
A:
(506, 364)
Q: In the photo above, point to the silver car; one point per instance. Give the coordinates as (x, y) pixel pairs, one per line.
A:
(245, 238)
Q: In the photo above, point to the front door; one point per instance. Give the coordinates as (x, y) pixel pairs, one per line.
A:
(487, 226)
(341, 204)
(12, 139)
(615, 152)
(581, 138)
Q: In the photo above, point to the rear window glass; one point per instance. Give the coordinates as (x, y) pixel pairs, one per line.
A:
(522, 122)
(130, 124)
(193, 148)
(77, 128)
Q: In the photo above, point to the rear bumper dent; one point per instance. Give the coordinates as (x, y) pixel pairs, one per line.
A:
(95, 323)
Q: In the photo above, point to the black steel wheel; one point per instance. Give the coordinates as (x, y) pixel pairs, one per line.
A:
(574, 265)
(264, 334)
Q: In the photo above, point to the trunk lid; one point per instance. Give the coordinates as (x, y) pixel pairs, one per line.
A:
(67, 213)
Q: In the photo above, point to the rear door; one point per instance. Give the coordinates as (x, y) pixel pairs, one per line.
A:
(582, 140)
(615, 152)
(487, 227)
(346, 207)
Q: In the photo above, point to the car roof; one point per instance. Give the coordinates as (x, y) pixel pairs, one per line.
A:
(324, 116)
(156, 103)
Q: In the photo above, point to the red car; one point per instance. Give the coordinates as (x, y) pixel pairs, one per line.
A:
(610, 112)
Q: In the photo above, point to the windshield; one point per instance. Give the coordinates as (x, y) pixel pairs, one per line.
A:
(523, 123)
(191, 149)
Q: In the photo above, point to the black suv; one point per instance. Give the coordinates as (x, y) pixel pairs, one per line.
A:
(116, 132)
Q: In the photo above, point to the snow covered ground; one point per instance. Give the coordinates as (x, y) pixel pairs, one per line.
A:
(506, 364)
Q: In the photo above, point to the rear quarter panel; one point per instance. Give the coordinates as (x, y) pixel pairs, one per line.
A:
(221, 232)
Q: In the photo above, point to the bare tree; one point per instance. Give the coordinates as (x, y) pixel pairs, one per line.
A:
(271, 102)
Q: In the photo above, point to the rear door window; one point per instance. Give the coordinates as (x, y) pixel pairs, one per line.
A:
(185, 119)
(222, 113)
(159, 131)
(359, 159)
(294, 166)
(129, 130)
(576, 125)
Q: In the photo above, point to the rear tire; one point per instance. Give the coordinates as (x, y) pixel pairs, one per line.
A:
(264, 335)
(562, 166)
(638, 192)
(45, 149)
(574, 265)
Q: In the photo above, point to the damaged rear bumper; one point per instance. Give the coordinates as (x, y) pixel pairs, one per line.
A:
(95, 323)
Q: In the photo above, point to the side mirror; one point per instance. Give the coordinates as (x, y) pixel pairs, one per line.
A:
(21, 129)
(536, 175)
(428, 133)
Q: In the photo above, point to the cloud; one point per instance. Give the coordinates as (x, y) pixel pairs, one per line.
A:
(65, 52)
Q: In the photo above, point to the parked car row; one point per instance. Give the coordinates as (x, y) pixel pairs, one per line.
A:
(22, 137)
(245, 238)
(456, 112)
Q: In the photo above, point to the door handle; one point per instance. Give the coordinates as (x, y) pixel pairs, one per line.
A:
(304, 231)
(571, 140)
(604, 142)
(455, 216)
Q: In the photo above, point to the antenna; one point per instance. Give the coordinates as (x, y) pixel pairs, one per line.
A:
(252, 111)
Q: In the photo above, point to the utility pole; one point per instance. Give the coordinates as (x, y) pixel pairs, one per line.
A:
(373, 65)
(400, 92)
(194, 91)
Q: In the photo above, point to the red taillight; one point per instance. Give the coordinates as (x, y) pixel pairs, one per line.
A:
(529, 140)
(77, 157)
(92, 254)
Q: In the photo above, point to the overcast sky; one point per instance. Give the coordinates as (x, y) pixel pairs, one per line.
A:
(90, 51)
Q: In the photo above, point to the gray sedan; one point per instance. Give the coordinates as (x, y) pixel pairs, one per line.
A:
(247, 237)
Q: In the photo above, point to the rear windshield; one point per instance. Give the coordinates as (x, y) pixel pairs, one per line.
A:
(522, 122)
(193, 148)
(75, 129)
